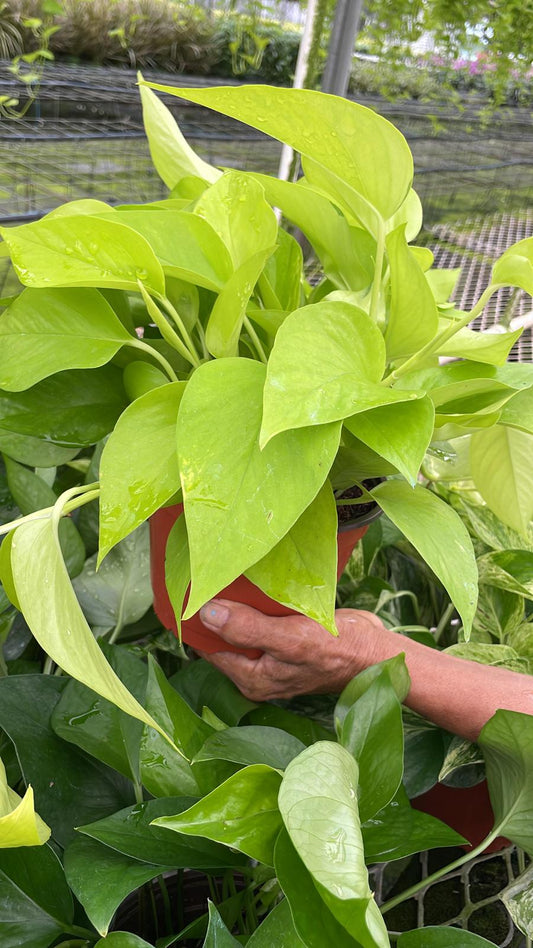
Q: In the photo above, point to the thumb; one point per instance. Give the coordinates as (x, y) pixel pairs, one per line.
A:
(242, 625)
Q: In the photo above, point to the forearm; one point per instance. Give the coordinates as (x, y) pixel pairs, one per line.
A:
(460, 696)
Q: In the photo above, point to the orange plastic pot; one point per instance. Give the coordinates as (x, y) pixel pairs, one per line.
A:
(466, 809)
(194, 632)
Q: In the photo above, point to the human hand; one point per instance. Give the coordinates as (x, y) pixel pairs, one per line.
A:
(299, 657)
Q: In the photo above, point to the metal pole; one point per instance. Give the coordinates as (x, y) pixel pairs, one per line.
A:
(299, 79)
(339, 62)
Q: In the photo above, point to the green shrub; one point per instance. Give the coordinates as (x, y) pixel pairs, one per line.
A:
(260, 49)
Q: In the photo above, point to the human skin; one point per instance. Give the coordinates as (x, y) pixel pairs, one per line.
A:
(300, 657)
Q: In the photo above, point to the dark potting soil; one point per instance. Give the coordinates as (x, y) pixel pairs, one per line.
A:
(347, 513)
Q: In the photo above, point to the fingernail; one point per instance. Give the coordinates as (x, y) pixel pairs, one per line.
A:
(214, 615)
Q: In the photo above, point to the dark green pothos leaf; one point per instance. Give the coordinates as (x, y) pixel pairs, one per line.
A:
(36, 905)
(217, 935)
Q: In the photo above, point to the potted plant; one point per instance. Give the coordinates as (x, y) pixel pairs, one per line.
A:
(240, 391)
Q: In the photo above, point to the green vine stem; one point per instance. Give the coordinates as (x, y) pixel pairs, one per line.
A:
(378, 271)
(256, 340)
(412, 890)
(169, 334)
(189, 344)
(443, 621)
(89, 493)
(443, 337)
(139, 344)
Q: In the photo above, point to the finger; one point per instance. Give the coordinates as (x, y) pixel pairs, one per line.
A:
(251, 676)
(245, 627)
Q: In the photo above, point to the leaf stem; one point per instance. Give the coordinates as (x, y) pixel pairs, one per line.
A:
(412, 890)
(90, 492)
(256, 341)
(139, 344)
(443, 621)
(378, 271)
(443, 337)
(182, 328)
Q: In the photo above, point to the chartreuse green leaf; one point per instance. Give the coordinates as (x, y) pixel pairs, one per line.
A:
(515, 266)
(187, 246)
(82, 251)
(506, 741)
(241, 813)
(448, 550)
(131, 832)
(400, 433)
(177, 567)
(50, 607)
(283, 271)
(318, 803)
(236, 209)
(356, 145)
(141, 377)
(490, 347)
(413, 319)
(252, 744)
(226, 318)
(373, 732)
(518, 411)
(217, 935)
(234, 508)
(511, 570)
(132, 485)
(101, 878)
(298, 571)
(172, 156)
(345, 252)
(36, 905)
(500, 460)
(347, 352)
(518, 900)
(442, 936)
(31, 493)
(20, 825)
(410, 215)
(122, 940)
(314, 922)
(45, 331)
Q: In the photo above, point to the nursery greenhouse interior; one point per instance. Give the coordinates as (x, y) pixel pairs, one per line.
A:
(266, 474)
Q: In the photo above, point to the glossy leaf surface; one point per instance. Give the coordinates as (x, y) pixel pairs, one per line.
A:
(217, 935)
(300, 571)
(36, 905)
(57, 622)
(231, 488)
(20, 825)
(442, 937)
(236, 209)
(413, 319)
(101, 878)
(47, 331)
(172, 156)
(347, 353)
(449, 552)
(82, 251)
(400, 433)
(241, 813)
(372, 731)
(72, 409)
(139, 467)
(399, 830)
(132, 832)
(507, 745)
(501, 467)
(69, 787)
(229, 310)
(356, 145)
(252, 745)
(318, 802)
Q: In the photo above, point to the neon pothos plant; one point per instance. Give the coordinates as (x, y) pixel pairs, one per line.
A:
(188, 325)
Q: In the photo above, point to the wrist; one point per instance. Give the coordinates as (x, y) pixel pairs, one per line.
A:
(365, 639)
